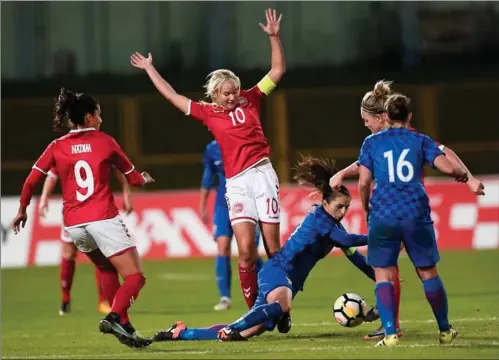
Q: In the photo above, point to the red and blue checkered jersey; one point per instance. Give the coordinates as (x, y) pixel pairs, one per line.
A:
(396, 158)
(311, 241)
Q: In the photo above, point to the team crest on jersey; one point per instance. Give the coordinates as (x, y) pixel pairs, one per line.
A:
(242, 101)
(237, 208)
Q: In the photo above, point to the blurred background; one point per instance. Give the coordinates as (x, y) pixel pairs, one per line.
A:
(444, 55)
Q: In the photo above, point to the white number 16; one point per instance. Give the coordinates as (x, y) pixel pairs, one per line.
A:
(401, 164)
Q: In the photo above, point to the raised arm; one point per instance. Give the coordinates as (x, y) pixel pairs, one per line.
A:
(179, 101)
(337, 179)
(272, 29)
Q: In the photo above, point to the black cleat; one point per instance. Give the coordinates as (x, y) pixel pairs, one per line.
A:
(125, 334)
(227, 334)
(65, 308)
(171, 333)
(284, 324)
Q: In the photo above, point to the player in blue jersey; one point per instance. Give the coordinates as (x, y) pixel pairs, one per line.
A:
(222, 229)
(399, 212)
(284, 275)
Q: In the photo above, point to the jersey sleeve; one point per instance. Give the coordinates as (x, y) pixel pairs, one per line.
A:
(198, 111)
(46, 161)
(431, 150)
(123, 164)
(343, 239)
(365, 158)
(208, 179)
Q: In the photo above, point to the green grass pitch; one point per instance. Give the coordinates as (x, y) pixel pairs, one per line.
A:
(185, 290)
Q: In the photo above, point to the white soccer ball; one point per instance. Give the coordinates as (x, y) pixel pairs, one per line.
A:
(349, 310)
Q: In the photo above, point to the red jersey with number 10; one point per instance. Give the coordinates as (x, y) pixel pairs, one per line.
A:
(83, 159)
(238, 131)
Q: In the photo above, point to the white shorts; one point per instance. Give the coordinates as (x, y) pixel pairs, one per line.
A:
(254, 196)
(110, 236)
(65, 237)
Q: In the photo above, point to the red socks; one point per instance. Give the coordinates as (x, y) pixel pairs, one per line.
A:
(127, 294)
(66, 274)
(100, 290)
(397, 291)
(249, 284)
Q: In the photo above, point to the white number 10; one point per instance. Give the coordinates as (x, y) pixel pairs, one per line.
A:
(401, 164)
(238, 115)
(87, 183)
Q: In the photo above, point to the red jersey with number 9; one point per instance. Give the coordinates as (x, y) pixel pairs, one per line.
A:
(82, 160)
(238, 131)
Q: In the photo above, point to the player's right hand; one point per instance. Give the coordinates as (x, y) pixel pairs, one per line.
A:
(148, 178)
(139, 61)
(476, 186)
(19, 221)
(336, 181)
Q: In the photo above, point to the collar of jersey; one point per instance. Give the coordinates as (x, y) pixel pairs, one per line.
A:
(79, 130)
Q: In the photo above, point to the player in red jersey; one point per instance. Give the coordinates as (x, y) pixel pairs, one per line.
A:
(83, 160)
(372, 111)
(70, 251)
(233, 117)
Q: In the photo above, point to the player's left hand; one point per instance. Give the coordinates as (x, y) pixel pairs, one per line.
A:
(476, 186)
(273, 23)
(19, 221)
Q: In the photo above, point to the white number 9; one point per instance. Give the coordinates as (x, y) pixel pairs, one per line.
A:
(87, 183)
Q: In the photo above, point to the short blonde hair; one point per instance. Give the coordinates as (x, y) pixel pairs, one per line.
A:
(217, 78)
(373, 101)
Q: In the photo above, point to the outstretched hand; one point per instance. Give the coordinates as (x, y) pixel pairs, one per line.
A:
(273, 23)
(139, 61)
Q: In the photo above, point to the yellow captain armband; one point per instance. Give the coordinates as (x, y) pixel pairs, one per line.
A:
(349, 251)
(266, 85)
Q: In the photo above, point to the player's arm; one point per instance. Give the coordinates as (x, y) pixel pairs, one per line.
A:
(48, 189)
(350, 171)
(436, 158)
(343, 239)
(359, 260)
(207, 183)
(473, 183)
(365, 174)
(278, 64)
(179, 101)
(126, 189)
(38, 172)
(124, 165)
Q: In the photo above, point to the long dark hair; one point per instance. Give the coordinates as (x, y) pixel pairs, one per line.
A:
(72, 106)
(315, 173)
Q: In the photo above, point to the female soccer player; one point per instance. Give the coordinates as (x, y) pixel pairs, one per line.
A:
(83, 160)
(399, 212)
(284, 275)
(232, 116)
(70, 251)
(373, 113)
(222, 229)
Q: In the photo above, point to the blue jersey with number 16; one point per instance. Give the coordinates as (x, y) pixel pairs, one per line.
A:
(396, 158)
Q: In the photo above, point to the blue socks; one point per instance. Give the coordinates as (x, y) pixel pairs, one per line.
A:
(224, 275)
(257, 315)
(437, 297)
(385, 299)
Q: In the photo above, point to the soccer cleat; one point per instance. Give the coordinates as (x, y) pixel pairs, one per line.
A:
(372, 315)
(284, 324)
(171, 333)
(389, 341)
(65, 308)
(104, 307)
(227, 334)
(446, 337)
(125, 334)
(224, 304)
(380, 333)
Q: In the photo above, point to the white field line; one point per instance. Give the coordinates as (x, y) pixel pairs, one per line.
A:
(246, 350)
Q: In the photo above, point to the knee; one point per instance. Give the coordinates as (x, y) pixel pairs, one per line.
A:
(69, 251)
(286, 307)
(247, 255)
(427, 272)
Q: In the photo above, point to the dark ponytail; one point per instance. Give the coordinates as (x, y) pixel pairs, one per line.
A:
(315, 173)
(74, 107)
(398, 108)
